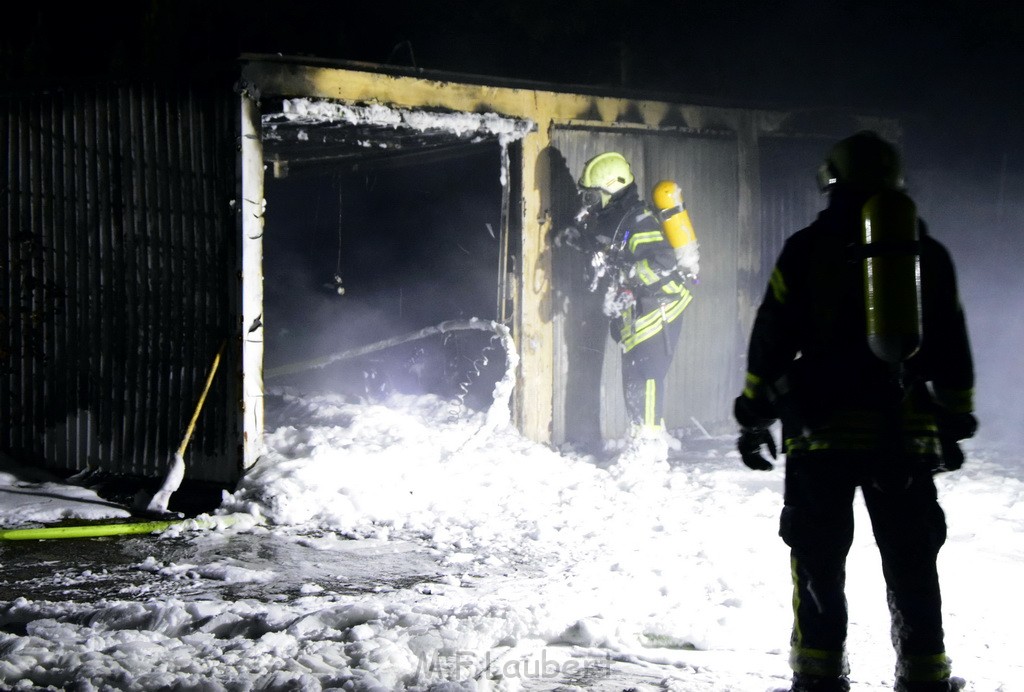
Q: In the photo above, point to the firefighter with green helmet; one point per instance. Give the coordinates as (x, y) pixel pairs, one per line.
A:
(860, 348)
(645, 291)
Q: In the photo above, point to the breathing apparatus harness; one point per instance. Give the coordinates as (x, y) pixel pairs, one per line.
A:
(607, 251)
(607, 259)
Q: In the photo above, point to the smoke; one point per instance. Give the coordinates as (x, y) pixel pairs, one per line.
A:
(977, 212)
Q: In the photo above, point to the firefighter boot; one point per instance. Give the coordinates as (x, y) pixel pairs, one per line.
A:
(803, 682)
(948, 685)
(644, 459)
(646, 447)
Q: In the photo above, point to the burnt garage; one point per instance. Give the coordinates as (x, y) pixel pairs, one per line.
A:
(357, 229)
(396, 200)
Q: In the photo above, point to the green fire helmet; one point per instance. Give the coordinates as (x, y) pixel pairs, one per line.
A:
(607, 173)
(864, 162)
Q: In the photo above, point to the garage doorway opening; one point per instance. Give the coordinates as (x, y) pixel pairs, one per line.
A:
(372, 234)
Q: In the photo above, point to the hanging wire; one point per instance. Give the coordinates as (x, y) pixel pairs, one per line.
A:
(338, 286)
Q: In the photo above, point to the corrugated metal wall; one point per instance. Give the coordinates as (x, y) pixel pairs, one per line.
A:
(706, 371)
(117, 278)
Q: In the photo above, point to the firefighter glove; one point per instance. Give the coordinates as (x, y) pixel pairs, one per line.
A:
(952, 455)
(753, 413)
(749, 445)
(954, 427)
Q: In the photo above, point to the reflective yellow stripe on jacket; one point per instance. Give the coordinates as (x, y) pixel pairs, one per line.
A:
(778, 284)
(636, 330)
(752, 388)
(644, 237)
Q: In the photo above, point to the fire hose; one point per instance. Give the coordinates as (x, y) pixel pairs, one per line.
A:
(443, 328)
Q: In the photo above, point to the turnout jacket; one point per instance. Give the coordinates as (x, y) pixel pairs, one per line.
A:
(644, 270)
(810, 364)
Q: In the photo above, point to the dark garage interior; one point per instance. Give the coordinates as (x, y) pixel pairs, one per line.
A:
(368, 244)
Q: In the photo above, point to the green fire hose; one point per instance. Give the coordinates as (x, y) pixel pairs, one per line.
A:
(115, 529)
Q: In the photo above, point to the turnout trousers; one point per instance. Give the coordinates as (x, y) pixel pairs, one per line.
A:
(644, 368)
(909, 528)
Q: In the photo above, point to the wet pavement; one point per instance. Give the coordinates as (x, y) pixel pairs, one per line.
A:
(212, 564)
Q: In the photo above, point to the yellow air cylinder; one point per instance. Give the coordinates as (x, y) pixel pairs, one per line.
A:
(675, 220)
(892, 275)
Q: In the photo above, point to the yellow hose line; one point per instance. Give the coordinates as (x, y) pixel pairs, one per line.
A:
(124, 529)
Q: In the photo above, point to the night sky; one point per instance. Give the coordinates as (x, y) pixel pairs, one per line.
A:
(940, 65)
(845, 52)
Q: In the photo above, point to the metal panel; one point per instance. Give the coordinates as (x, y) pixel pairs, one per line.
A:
(118, 264)
(703, 379)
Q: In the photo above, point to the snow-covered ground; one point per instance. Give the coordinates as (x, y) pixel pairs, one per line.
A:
(412, 545)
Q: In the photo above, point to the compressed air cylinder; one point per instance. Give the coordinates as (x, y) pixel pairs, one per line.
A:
(892, 275)
(675, 220)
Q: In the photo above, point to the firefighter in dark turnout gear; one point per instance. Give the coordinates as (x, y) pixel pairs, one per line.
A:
(645, 291)
(850, 419)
